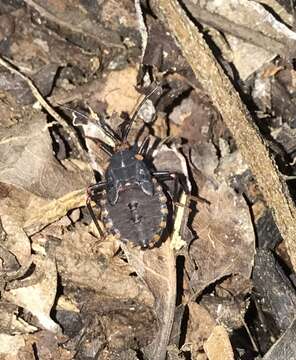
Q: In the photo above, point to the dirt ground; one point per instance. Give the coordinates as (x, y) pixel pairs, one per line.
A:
(192, 253)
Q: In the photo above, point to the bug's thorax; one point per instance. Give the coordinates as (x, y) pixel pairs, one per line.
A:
(127, 169)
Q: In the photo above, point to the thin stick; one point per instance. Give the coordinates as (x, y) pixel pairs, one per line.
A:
(12, 68)
(54, 211)
(240, 31)
(98, 40)
(236, 117)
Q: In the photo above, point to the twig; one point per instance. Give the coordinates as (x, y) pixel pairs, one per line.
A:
(54, 211)
(141, 26)
(9, 66)
(236, 117)
(240, 31)
(68, 26)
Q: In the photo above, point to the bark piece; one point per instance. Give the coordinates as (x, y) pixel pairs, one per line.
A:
(277, 293)
(285, 347)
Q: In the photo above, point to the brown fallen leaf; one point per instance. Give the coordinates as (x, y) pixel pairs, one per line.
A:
(11, 322)
(90, 264)
(27, 160)
(15, 245)
(17, 242)
(200, 326)
(218, 346)
(37, 293)
(119, 91)
(156, 267)
(226, 240)
(10, 345)
(75, 23)
(40, 216)
(49, 346)
(226, 237)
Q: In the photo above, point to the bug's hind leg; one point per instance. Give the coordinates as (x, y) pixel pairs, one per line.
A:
(92, 194)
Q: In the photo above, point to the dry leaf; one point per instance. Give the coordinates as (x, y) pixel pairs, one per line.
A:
(248, 58)
(17, 242)
(226, 243)
(39, 295)
(226, 240)
(11, 322)
(10, 345)
(156, 267)
(88, 263)
(27, 160)
(218, 346)
(43, 215)
(200, 326)
(16, 247)
(119, 91)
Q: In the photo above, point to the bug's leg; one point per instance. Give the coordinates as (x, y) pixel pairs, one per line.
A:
(172, 176)
(93, 191)
(93, 216)
(144, 146)
(178, 179)
(105, 147)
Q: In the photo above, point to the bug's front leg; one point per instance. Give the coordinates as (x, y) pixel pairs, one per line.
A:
(92, 192)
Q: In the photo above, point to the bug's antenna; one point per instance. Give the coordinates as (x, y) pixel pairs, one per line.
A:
(73, 111)
(105, 147)
(109, 131)
(100, 121)
(128, 126)
(144, 146)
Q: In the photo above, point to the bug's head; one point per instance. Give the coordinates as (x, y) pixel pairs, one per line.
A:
(121, 135)
(122, 146)
(127, 169)
(118, 138)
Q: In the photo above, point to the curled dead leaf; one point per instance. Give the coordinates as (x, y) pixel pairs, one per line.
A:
(226, 243)
(156, 267)
(37, 293)
(27, 160)
(218, 346)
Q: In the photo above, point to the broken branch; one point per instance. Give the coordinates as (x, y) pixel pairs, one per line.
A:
(236, 117)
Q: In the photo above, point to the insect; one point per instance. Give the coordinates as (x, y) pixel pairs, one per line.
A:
(133, 204)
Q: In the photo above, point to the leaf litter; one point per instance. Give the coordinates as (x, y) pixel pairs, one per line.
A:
(69, 292)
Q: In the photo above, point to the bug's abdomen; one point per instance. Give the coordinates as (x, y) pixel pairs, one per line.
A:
(137, 217)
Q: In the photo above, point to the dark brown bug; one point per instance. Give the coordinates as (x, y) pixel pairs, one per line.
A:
(132, 201)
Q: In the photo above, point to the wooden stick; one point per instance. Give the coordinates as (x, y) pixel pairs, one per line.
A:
(235, 115)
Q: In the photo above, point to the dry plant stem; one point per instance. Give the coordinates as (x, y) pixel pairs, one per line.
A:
(157, 268)
(45, 104)
(66, 25)
(243, 32)
(54, 211)
(235, 115)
